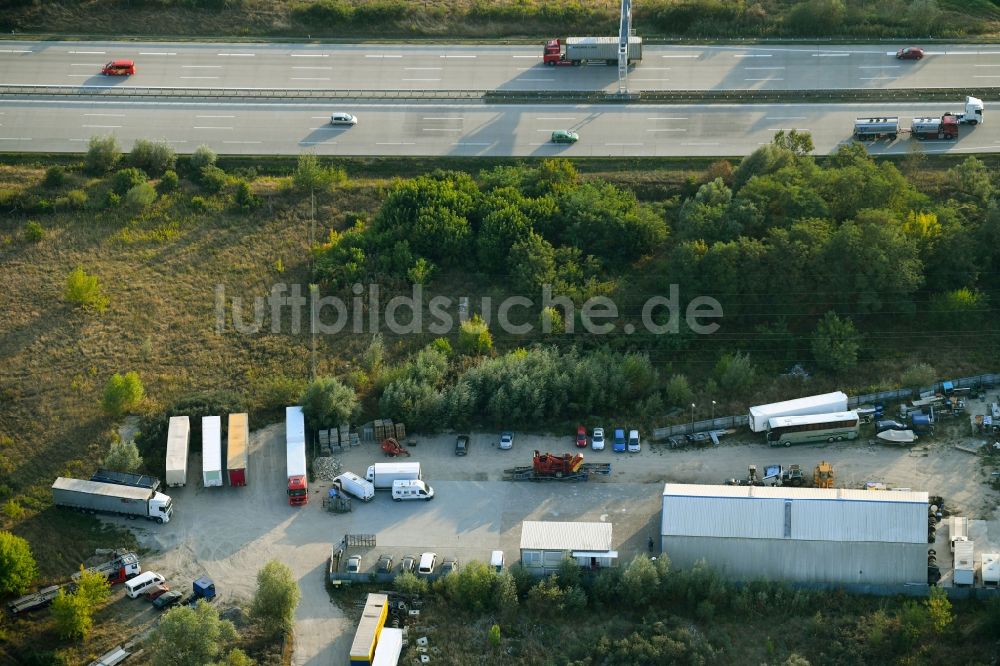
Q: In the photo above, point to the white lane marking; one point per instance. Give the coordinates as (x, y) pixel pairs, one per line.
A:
(459, 56)
(421, 79)
(380, 55)
(319, 117)
(557, 118)
(395, 143)
(645, 69)
(538, 80)
(84, 76)
(16, 138)
(201, 66)
(88, 52)
(310, 55)
(85, 64)
(311, 67)
(650, 79)
(676, 129)
(160, 53)
(878, 67)
(468, 143)
(788, 129)
(448, 118)
(986, 65)
(200, 77)
(242, 142)
(784, 117)
(665, 118)
(317, 143)
(752, 55)
(769, 79)
(777, 67)
(984, 76)
(215, 116)
(681, 56)
(236, 55)
(697, 143)
(523, 56)
(15, 51)
(209, 127)
(101, 126)
(106, 115)
(830, 55)
(878, 78)
(310, 78)
(442, 129)
(964, 53)
(422, 68)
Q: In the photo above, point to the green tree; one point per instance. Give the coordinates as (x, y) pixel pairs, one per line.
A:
(169, 181)
(17, 565)
(494, 635)
(474, 337)
(971, 179)
(124, 456)
(328, 402)
(959, 310)
(93, 588)
(125, 179)
(311, 176)
(734, 373)
(141, 196)
(472, 587)
(640, 580)
(918, 375)
(213, 179)
(498, 232)
(237, 657)
(532, 264)
(122, 393)
(72, 615)
(408, 583)
(103, 154)
(609, 222)
(276, 597)
(153, 157)
(190, 636)
(835, 343)
(85, 290)
(202, 157)
(679, 391)
(55, 176)
(800, 143)
(551, 320)
(939, 610)
(245, 198)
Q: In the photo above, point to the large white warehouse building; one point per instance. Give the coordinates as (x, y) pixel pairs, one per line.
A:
(798, 534)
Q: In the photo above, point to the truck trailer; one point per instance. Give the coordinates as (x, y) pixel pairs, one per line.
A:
(965, 565)
(178, 442)
(352, 484)
(870, 129)
(295, 447)
(236, 452)
(945, 127)
(580, 50)
(381, 475)
(211, 451)
(97, 497)
(126, 479)
(826, 403)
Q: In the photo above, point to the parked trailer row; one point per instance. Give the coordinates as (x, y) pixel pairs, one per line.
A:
(213, 473)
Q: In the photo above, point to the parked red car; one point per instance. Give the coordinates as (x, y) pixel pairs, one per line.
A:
(910, 53)
(157, 591)
(581, 437)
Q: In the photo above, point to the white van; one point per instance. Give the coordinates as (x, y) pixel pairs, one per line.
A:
(427, 563)
(405, 489)
(496, 560)
(142, 583)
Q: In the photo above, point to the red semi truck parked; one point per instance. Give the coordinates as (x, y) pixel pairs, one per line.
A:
(580, 50)
(295, 441)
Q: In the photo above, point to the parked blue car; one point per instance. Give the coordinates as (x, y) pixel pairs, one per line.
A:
(618, 445)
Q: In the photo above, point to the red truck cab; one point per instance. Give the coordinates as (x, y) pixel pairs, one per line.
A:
(554, 54)
(119, 68)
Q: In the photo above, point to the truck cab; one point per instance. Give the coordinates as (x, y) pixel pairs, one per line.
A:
(555, 54)
(161, 507)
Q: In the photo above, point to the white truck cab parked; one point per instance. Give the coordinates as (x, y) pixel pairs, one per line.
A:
(411, 490)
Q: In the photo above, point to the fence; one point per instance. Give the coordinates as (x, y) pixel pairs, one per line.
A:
(988, 380)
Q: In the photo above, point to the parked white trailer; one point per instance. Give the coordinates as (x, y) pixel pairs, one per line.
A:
(381, 475)
(211, 451)
(826, 403)
(958, 530)
(991, 569)
(965, 565)
(178, 441)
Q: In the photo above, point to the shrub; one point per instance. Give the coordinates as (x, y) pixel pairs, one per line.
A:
(276, 597)
(199, 203)
(72, 615)
(202, 157)
(33, 232)
(141, 196)
(112, 199)
(54, 176)
(918, 375)
(213, 179)
(122, 393)
(152, 157)
(323, 13)
(735, 373)
(85, 290)
(407, 583)
(245, 198)
(474, 337)
(679, 391)
(327, 403)
(123, 457)
(835, 343)
(125, 179)
(17, 565)
(76, 199)
(169, 181)
(103, 154)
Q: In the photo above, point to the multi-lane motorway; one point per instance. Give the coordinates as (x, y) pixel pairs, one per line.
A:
(463, 128)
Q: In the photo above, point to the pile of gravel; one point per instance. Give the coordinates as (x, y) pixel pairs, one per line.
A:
(326, 469)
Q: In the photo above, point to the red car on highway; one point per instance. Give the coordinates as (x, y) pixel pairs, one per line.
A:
(910, 53)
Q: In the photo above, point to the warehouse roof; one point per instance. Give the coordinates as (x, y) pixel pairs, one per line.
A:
(767, 492)
(543, 535)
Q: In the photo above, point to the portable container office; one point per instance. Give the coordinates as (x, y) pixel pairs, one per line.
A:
(991, 569)
(965, 565)
(178, 441)
(211, 451)
(236, 453)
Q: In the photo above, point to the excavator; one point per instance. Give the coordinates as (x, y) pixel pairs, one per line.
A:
(823, 475)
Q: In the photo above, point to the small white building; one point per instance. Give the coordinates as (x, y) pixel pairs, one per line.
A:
(818, 535)
(544, 544)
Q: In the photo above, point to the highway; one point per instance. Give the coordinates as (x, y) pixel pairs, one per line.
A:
(459, 129)
(491, 67)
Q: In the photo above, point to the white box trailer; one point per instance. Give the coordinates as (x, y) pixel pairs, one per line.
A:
(826, 403)
(958, 530)
(965, 565)
(991, 569)
(178, 441)
(381, 475)
(211, 451)
(390, 644)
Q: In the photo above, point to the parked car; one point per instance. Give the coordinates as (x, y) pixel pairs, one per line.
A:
(581, 437)
(462, 445)
(597, 439)
(450, 565)
(506, 440)
(633, 441)
(618, 445)
(354, 564)
(408, 564)
(882, 426)
(384, 564)
(167, 599)
(427, 563)
(157, 591)
(565, 136)
(910, 53)
(343, 118)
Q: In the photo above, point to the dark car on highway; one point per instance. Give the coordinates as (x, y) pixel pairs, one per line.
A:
(462, 445)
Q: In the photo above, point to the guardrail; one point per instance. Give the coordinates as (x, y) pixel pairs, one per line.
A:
(844, 95)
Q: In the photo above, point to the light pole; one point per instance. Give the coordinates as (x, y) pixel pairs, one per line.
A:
(692, 417)
(713, 413)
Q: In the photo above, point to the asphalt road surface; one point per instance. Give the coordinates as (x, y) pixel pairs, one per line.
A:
(462, 129)
(492, 67)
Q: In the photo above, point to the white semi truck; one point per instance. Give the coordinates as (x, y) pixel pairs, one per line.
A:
(98, 497)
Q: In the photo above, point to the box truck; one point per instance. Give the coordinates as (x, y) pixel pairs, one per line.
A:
(295, 450)
(581, 50)
(352, 484)
(828, 403)
(381, 475)
(98, 497)
(236, 452)
(211, 451)
(178, 441)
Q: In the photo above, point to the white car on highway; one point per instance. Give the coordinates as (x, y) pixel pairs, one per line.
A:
(343, 118)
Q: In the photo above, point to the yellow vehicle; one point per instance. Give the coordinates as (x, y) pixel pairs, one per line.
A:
(823, 475)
